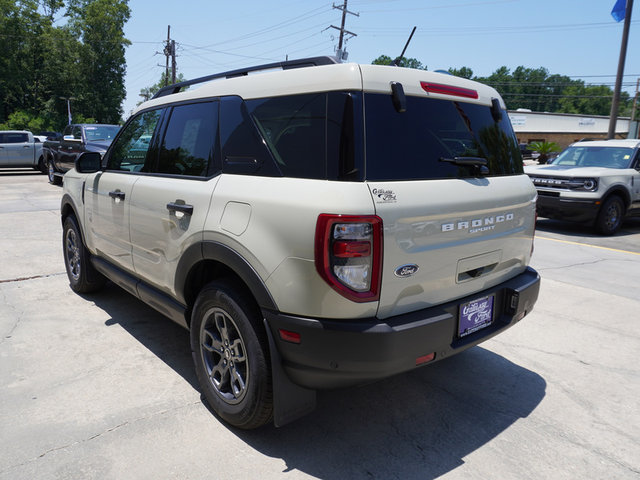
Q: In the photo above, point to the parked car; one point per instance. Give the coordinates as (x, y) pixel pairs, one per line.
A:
(306, 241)
(593, 182)
(18, 148)
(60, 153)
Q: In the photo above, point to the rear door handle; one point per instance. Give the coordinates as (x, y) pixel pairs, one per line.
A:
(180, 207)
(118, 195)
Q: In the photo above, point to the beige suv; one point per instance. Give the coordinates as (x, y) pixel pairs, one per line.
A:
(315, 225)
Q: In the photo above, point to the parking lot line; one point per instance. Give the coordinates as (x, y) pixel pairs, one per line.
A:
(587, 245)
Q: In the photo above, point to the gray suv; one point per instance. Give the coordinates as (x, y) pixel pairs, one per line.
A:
(314, 226)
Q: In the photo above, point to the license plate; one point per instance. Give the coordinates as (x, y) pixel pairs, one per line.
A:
(475, 315)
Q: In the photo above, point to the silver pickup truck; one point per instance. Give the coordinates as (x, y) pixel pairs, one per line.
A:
(19, 148)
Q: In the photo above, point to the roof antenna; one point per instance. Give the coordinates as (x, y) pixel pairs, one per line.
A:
(396, 62)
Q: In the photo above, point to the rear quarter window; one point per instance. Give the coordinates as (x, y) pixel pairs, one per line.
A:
(14, 138)
(409, 145)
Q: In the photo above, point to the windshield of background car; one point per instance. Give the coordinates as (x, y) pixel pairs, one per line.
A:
(101, 132)
(585, 156)
(409, 145)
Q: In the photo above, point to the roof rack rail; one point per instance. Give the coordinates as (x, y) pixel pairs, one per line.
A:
(287, 65)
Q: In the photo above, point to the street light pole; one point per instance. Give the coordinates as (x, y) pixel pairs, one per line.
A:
(68, 99)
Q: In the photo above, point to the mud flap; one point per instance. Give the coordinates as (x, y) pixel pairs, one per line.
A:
(290, 401)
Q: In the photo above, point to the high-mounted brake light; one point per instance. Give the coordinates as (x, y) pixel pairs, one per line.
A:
(430, 87)
(348, 253)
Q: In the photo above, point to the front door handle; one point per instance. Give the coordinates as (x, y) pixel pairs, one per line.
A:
(180, 207)
(117, 195)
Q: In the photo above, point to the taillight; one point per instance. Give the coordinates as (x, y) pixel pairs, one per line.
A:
(348, 252)
(448, 90)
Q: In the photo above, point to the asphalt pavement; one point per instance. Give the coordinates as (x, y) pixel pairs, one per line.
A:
(102, 386)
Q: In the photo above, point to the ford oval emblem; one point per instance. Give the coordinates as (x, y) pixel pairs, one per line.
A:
(404, 271)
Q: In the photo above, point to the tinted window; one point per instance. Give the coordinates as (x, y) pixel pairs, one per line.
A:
(409, 145)
(15, 138)
(187, 148)
(131, 150)
(243, 149)
(294, 128)
(345, 136)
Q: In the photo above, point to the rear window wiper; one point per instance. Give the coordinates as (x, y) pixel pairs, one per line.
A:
(478, 164)
(466, 161)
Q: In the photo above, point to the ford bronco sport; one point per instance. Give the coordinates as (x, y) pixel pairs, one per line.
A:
(594, 182)
(314, 226)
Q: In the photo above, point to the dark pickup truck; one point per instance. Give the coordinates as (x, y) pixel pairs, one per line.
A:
(60, 155)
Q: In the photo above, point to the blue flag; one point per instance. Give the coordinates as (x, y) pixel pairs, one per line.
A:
(618, 10)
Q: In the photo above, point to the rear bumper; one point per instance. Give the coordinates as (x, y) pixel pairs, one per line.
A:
(336, 353)
(576, 210)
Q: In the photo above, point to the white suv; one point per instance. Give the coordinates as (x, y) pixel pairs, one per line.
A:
(594, 182)
(316, 225)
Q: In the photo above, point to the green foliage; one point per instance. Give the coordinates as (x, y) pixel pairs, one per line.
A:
(21, 120)
(544, 149)
(539, 91)
(82, 59)
(464, 72)
(402, 62)
(148, 92)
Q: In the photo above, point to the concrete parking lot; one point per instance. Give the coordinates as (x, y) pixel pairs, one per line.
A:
(102, 387)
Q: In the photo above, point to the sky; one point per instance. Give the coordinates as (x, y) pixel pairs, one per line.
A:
(576, 38)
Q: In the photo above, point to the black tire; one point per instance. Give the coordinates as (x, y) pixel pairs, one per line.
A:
(83, 277)
(231, 356)
(42, 166)
(610, 216)
(53, 179)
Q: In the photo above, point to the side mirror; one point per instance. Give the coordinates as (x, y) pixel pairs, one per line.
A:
(88, 162)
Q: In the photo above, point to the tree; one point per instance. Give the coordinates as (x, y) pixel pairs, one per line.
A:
(41, 62)
(101, 23)
(148, 92)
(544, 149)
(402, 62)
(537, 90)
(463, 72)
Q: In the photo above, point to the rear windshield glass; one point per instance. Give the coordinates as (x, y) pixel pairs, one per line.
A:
(609, 157)
(425, 141)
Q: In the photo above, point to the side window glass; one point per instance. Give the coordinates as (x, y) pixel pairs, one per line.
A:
(189, 141)
(294, 128)
(77, 133)
(131, 150)
(15, 138)
(67, 130)
(243, 148)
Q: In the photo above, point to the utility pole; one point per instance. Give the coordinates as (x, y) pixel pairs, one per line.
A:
(342, 55)
(166, 54)
(173, 62)
(613, 118)
(170, 51)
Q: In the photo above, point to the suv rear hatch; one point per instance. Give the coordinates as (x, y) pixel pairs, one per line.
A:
(446, 178)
